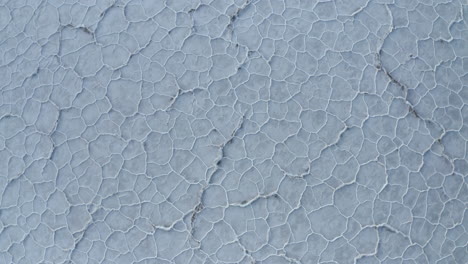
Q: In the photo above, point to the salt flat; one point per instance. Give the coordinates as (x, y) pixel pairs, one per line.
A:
(233, 131)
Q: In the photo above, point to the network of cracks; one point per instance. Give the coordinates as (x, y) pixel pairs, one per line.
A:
(233, 131)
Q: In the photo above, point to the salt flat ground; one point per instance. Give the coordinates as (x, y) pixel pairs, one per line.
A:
(233, 131)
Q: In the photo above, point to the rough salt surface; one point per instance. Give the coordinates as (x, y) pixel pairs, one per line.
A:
(233, 131)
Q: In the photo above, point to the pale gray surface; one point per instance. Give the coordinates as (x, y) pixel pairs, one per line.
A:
(233, 131)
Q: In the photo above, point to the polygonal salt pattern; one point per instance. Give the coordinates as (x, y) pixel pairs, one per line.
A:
(233, 131)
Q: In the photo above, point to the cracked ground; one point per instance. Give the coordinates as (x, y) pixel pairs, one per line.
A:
(233, 131)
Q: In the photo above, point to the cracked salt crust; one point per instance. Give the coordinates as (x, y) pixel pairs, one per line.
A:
(234, 131)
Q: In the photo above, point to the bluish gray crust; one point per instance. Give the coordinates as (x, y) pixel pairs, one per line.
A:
(233, 131)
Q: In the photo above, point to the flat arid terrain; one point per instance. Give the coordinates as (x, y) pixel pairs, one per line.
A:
(234, 131)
